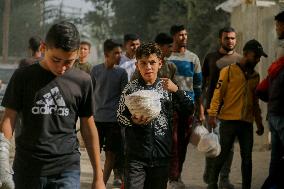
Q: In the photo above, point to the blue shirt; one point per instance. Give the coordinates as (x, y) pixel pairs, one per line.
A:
(108, 85)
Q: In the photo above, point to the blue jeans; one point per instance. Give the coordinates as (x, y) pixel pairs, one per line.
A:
(65, 180)
(276, 169)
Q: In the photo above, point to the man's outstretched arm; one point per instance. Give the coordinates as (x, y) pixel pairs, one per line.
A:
(90, 136)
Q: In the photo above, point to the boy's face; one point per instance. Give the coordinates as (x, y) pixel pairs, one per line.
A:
(113, 57)
(148, 67)
(131, 46)
(58, 61)
(84, 51)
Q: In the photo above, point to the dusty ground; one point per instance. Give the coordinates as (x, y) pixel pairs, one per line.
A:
(194, 166)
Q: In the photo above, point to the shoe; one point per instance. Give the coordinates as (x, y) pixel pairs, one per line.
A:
(176, 184)
(226, 184)
(116, 183)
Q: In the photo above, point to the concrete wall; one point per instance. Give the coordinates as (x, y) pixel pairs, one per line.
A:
(252, 22)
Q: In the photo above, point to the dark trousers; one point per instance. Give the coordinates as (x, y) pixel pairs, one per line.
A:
(139, 175)
(182, 127)
(226, 168)
(276, 169)
(229, 130)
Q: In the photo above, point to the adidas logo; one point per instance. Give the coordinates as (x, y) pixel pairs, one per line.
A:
(51, 103)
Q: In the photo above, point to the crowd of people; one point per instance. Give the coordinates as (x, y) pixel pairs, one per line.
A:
(58, 85)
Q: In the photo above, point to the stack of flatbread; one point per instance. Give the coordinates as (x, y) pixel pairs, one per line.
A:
(144, 103)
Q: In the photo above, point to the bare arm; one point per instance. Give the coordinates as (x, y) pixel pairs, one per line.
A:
(90, 136)
(8, 122)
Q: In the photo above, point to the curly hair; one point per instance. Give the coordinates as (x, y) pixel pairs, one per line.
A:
(147, 49)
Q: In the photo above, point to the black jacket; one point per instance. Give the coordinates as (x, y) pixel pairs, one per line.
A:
(152, 143)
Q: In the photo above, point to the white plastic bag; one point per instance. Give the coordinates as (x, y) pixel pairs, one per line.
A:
(209, 144)
(197, 133)
(6, 177)
(144, 103)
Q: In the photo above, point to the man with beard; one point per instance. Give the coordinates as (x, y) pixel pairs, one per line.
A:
(212, 65)
(189, 79)
(235, 104)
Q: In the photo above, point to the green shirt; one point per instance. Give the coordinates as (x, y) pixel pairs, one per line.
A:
(84, 66)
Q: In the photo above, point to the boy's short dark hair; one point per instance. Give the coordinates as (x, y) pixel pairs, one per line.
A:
(34, 43)
(176, 28)
(130, 37)
(280, 17)
(163, 39)
(110, 44)
(147, 49)
(86, 43)
(63, 35)
(226, 30)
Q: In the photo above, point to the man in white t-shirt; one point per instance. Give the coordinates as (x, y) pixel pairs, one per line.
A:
(127, 61)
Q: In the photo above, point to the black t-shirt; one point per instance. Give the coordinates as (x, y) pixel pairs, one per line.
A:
(211, 67)
(49, 107)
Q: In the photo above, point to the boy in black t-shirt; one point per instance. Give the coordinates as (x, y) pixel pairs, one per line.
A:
(49, 97)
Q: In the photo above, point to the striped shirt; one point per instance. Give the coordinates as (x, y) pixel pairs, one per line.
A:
(188, 75)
